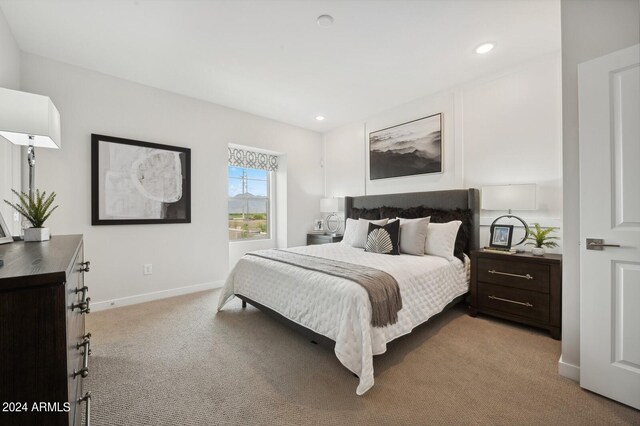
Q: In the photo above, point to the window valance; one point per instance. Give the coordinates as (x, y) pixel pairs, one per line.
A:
(254, 160)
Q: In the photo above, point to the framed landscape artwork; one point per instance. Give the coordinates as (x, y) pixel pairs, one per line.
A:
(407, 149)
(135, 182)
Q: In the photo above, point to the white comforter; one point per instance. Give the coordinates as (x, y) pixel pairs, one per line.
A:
(340, 309)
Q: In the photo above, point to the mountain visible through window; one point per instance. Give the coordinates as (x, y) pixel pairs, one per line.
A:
(249, 203)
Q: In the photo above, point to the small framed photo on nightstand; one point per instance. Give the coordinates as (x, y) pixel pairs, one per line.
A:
(5, 234)
(501, 236)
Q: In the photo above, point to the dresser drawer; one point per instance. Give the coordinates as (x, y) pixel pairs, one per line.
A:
(514, 301)
(522, 275)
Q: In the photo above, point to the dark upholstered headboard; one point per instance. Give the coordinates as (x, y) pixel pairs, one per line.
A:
(445, 200)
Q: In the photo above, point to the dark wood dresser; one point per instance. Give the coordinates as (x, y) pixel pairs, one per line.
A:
(518, 287)
(313, 239)
(44, 349)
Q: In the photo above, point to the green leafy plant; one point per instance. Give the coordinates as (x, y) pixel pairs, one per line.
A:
(541, 238)
(37, 210)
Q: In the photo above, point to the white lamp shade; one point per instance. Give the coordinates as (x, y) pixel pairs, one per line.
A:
(509, 197)
(329, 205)
(25, 114)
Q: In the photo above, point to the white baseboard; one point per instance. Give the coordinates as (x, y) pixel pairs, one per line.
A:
(156, 295)
(569, 371)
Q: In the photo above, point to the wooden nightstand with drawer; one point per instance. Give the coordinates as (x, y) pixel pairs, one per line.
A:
(518, 287)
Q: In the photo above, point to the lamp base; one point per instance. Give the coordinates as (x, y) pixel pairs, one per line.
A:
(526, 227)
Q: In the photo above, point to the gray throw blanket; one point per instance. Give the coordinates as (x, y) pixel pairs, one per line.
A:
(382, 288)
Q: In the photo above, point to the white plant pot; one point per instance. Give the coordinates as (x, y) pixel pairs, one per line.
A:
(37, 234)
(537, 251)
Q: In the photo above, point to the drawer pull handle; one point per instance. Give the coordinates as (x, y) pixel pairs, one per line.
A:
(85, 343)
(526, 277)
(82, 306)
(82, 290)
(85, 266)
(527, 304)
(87, 409)
(84, 371)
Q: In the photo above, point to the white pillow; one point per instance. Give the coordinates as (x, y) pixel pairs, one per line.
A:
(363, 230)
(413, 235)
(441, 239)
(350, 231)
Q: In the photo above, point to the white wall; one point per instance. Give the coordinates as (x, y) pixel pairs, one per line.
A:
(590, 29)
(183, 255)
(512, 135)
(9, 153)
(504, 128)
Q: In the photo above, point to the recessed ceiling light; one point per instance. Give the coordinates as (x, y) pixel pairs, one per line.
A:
(325, 20)
(320, 117)
(485, 48)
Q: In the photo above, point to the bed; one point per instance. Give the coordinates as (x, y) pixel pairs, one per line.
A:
(337, 312)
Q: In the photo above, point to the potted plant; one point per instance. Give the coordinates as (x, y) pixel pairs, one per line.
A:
(540, 238)
(36, 211)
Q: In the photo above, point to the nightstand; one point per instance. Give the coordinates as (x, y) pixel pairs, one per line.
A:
(519, 287)
(313, 239)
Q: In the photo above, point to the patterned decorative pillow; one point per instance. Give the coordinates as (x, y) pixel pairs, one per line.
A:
(384, 239)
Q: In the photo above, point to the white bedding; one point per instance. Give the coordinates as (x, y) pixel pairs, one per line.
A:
(340, 309)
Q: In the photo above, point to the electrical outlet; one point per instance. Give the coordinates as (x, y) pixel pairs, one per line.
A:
(148, 269)
(16, 217)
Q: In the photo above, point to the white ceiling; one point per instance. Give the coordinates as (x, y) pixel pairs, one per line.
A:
(271, 58)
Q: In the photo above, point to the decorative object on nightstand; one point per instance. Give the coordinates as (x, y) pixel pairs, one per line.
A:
(313, 239)
(332, 220)
(501, 236)
(520, 287)
(540, 239)
(36, 210)
(510, 197)
(31, 120)
(5, 234)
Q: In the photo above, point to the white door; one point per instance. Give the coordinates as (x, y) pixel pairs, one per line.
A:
(609, 103)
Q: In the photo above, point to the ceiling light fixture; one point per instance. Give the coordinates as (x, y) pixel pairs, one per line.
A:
(485, 48)
(320, 117)
(325, 20)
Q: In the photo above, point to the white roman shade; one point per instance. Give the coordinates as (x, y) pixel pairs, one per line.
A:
(252, 159)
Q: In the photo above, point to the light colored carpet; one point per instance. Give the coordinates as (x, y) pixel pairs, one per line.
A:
(175, 362)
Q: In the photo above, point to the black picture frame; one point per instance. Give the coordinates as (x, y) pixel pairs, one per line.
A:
(178, 211)
(407, 149)
(501, 236)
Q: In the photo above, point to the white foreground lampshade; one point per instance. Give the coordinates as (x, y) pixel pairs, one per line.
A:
(509, 197)
(25, 114)
(329, 205)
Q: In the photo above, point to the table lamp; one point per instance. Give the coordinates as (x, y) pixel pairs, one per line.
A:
(510, 197)
(331, 206)
(31, 120)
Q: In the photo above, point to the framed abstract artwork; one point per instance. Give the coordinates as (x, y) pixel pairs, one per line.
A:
(407, 149)
(135, 182)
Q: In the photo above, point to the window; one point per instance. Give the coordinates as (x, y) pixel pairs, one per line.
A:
(249, 203)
